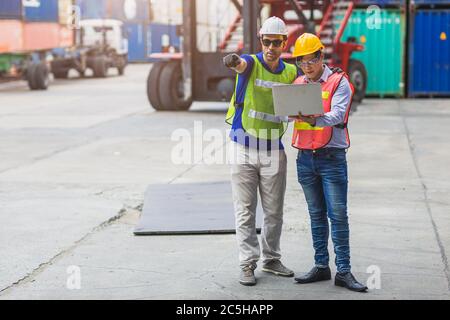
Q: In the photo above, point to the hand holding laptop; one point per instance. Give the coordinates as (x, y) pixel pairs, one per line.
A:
(308, 119)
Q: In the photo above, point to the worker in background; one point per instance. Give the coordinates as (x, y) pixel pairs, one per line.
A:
(322, 165)
(259, 157)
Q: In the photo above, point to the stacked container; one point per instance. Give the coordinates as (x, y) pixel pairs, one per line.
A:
(150, 26)
(41, 27)
(32, 25)
(429, 49)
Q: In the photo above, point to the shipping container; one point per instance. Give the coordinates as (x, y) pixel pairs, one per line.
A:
(92, 9)
(40, 36)
(11, 37)
(41, 10)
(138, 42)
(431, 2)
(11, 9)
(429, 53)
(382, 3)
(22, 37)
(163, 38)
(383, 36)
(129, 10)
(145, 39)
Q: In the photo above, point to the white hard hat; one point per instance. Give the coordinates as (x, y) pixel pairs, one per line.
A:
(274, 25)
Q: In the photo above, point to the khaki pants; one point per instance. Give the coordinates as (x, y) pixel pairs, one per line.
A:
(252, 169)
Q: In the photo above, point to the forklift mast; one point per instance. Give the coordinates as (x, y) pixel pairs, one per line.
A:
(250, 12)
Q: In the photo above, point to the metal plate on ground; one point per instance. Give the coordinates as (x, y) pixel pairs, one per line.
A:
(194, 208)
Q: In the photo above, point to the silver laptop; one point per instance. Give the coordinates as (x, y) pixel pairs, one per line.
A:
(291, 99)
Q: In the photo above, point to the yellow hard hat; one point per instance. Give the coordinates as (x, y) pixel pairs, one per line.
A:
(306, 44)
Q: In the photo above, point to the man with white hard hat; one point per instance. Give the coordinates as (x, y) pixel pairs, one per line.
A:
(259, 160)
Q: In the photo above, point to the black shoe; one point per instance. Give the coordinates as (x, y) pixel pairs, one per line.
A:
(347, 280)
(316, 274)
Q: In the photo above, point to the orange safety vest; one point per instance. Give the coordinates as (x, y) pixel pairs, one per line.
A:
(308, 137)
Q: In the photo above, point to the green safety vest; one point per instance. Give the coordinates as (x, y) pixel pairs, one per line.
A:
(258, 117)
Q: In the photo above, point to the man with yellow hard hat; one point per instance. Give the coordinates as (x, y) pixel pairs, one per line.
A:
(322, 165)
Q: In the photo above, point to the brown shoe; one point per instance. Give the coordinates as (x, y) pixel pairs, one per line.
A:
(247, 277)
(277, 268)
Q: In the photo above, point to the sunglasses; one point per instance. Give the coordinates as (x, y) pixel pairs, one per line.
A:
(276, 43)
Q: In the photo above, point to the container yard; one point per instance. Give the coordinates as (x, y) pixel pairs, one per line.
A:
(123, 124)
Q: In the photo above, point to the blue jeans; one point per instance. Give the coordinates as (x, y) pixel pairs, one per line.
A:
(324, 180)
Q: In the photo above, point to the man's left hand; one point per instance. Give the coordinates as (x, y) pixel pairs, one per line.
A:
(308, 119)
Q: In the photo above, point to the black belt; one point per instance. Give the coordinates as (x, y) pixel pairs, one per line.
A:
(322, 151)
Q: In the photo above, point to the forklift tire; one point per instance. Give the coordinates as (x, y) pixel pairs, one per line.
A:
(30, 76)
(38, 76)
(358, 77)
(100, 67)
(61, 74)
(153, 85)
(171, 88)
(41, 76)
(121, 67)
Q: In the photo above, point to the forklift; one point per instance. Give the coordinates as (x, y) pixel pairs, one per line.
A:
(179, 78)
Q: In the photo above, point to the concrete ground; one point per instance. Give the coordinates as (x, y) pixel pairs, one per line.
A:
(76, 160)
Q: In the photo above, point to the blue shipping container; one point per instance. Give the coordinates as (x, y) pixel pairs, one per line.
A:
(11, 9)
(129, 10)
(92, 9)
(430, 2)
(382, 3)
(145, 39)
(41, 10)
(137, 34)
(429, 57)
(160, 33)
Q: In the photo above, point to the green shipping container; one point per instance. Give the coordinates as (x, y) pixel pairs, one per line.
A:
(383, 35)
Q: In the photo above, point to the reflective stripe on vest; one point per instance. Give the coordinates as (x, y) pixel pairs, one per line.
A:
(266, 84)
(305, 126)
(266, 117)
(307, 137)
